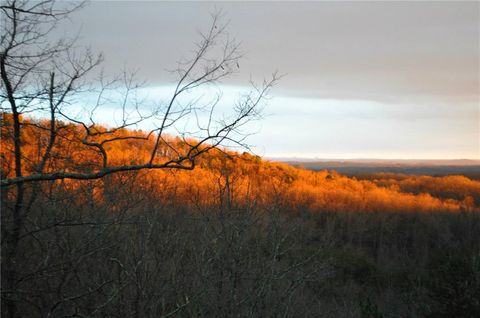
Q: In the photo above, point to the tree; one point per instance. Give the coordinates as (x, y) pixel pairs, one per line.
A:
(41, 77)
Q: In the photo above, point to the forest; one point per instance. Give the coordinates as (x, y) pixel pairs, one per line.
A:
(238, 236)
(157, 213)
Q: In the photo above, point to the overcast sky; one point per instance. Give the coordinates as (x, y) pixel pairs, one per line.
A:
(364, 79)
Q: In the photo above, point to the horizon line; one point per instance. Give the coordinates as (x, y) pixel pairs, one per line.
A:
(324, 159)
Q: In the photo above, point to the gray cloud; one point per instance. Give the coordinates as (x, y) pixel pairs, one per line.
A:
(334, 49)
(419, 60)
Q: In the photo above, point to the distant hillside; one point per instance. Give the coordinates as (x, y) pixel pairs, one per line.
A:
(470, 168)
(381, 162)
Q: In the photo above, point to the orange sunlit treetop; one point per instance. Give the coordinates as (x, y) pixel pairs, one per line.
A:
(223, 179)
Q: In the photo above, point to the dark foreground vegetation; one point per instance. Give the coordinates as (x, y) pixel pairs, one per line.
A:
(241, 237)
(135, 256)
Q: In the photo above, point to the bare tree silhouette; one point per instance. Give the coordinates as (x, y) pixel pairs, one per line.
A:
(41, 76)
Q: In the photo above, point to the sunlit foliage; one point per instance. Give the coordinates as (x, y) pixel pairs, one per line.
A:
(227, 180)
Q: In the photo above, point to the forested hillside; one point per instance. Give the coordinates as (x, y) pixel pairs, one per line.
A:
(163, 211)
(228, 179)
(235, 236)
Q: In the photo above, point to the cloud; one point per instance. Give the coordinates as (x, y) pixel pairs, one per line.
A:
(362, 77)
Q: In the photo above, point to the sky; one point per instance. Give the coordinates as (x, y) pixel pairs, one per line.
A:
(390, 80)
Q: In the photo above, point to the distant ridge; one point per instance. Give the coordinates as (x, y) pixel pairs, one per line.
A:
(358, 167)
(379, 162)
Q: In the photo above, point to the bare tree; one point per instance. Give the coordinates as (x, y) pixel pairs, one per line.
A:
(47, 78)
(38, 76)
